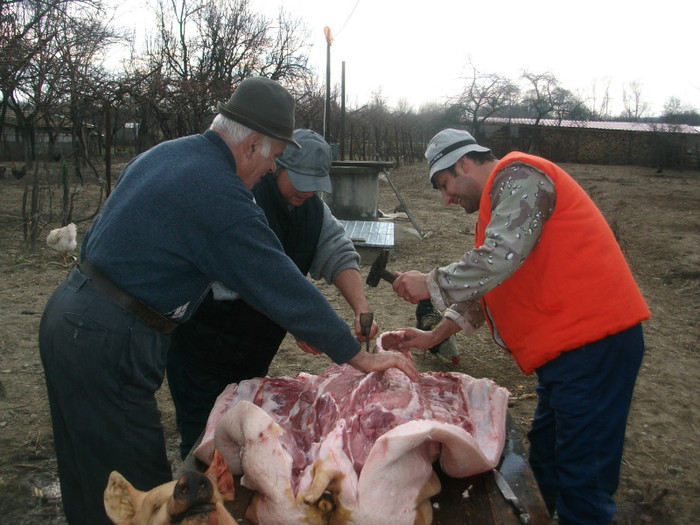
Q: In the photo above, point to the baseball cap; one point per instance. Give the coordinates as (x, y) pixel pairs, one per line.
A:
(447, 147)
(309, 166)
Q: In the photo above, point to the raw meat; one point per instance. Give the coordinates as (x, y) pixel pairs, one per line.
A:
(348, 447)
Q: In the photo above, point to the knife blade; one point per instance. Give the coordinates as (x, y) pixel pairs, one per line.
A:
(510, 496)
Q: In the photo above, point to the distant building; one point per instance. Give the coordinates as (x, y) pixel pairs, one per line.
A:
(53, 140)
(597, 142)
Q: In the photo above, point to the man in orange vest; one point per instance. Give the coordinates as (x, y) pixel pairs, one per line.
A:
(548, 276)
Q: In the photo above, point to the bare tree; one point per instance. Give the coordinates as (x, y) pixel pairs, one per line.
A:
(409, 127)
(541, 95)
(635, 107)
(674, 106)
(203, 49)
(28, 67)
(380, 118)
(676, 112)
(566, 105)
(30, 92)
(600, 99)
(23, 34)
(545, 98)
(53, 45)
(310, 97)
(287, 57)
(485, 96)
(82, 44)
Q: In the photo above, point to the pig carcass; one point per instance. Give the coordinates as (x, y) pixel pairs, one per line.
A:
(195, 499)
(348, 447)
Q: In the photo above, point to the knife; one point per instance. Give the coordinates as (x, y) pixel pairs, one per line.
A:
(366, 320)
(510, 496)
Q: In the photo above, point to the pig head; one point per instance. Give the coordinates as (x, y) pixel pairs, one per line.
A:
(195, 499)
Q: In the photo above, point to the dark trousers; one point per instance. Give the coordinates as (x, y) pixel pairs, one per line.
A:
(225, 342)
(578, 432)
(194, 392)
(102, 369)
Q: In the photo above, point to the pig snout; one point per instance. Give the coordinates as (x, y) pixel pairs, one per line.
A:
(193, 494)
(193, 488)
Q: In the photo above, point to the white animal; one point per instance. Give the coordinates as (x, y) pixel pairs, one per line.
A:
(63, 240)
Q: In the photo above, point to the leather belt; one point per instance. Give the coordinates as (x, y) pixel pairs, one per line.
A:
(145, 313)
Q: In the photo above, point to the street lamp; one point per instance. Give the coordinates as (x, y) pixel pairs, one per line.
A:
(327, 106)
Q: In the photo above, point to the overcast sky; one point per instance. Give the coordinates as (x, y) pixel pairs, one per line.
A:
(420, 50)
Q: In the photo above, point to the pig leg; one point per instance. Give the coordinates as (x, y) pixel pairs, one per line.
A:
(267, 466)
(397, 478)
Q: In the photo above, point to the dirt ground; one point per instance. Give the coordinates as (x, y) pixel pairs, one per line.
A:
(656, 217)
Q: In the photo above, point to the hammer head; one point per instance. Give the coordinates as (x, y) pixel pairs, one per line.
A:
(378, 269)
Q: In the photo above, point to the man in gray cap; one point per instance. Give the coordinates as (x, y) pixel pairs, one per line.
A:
(227, 340)
(547, 274)
(181, 217)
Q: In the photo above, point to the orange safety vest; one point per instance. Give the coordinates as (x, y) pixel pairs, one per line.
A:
(574, 288)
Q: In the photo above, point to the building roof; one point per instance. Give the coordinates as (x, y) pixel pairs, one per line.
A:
(600, 124)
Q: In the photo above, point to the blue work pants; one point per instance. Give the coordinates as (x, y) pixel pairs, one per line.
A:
(102, 368)
(578, 432)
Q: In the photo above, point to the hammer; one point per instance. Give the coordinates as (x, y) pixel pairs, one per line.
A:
(378, 270)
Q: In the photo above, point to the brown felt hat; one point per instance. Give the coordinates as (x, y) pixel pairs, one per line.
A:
(262, 105)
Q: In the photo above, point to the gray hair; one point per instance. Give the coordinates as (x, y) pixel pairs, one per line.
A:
(237, 133)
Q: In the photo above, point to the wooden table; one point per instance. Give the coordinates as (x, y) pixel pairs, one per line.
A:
(481, 504)
(485, 504)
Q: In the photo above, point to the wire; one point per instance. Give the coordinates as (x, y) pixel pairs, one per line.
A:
(348, 18)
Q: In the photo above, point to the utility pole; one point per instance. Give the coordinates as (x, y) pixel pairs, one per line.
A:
(342, 113)
(327, 107)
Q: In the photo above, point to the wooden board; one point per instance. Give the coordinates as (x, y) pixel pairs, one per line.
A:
(476, 500)
(468, 501)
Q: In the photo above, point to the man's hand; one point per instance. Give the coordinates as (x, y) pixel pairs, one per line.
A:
(411, 286)
(378, 362)
(358, 329)
(406, 338)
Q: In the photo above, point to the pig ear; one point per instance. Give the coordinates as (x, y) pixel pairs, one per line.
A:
(118, 504)
(220, 475)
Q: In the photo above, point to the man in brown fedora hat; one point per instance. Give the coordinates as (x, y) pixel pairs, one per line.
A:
(181, 217)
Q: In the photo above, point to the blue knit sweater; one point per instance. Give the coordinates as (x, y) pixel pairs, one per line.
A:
(180, 218)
